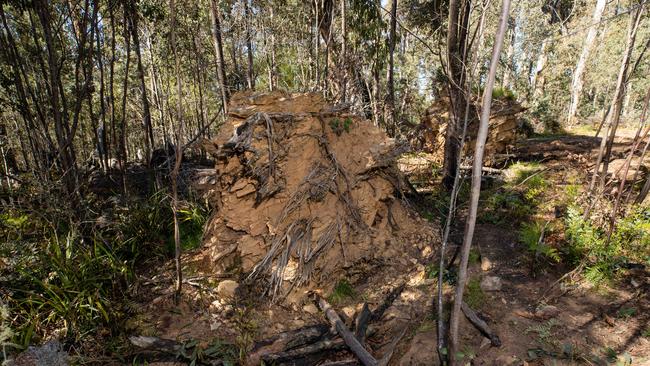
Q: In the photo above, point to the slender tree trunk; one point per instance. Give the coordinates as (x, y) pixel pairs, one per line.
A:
(123, 155)
(8, 46)
(456, 43)
(510, 62)
(442, 341)
(344, 55)
(317, 41)
(617, 103)
(249, 46)
(218, 48)
(638, 138)
(274, 72)
(57, 100)
(537, 79)
(111, 84)
(146, 110)
(476, 182)
(577, 83)
(101, 128)
(391, 65)
(179, 150)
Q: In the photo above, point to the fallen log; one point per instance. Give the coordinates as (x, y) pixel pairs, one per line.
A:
(303, 352)
(350, 340)
(385, 359)
(480, 324)
(388, 302)
(349, 362)
(361, 323)
(156, 344)
(286, 341)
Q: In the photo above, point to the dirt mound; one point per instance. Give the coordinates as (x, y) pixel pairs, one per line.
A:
(503, 133)
(304, 192)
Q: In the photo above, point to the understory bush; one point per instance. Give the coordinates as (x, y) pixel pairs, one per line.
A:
(530, 235)
(70, 279)
(629, 243)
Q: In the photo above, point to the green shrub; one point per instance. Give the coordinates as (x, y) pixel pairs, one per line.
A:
(474, 295)
(548, 115)
(630, 241)
(74, 278)
(529, 235)
(503, 93)
(343, 290)
(505, 206)
(339, 126)
(70, 286)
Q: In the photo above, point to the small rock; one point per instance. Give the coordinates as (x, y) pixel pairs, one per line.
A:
(49, 354)
(547, 312)
(485, 343)
(486, 264)
(418, 278)
(228, 310)
(227, 288)
(349, 311)
(310, 309)
(491, 283)
(298, 323)
(506, 360)
(214, 325)
(634, 283)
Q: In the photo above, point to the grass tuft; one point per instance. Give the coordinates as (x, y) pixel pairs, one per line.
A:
(342, 291)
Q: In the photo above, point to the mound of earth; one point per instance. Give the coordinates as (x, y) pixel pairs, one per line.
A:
(504, 129)
(305, 194)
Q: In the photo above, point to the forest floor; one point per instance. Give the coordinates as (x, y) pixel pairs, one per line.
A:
(539, 319)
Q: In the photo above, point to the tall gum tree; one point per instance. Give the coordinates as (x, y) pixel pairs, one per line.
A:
(578, 82)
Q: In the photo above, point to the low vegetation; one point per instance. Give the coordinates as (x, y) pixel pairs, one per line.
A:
(74, 281)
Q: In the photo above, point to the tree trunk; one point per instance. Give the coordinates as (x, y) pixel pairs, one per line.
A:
(65, 153)
(577, 83)
(179, 151)
(101, 128)
(123, 154)
(249, 47)
(146, 110)
(344, 56)
(476, 182)
(617, 103)
(457, 75)
(218, 48)
(537, 78)
(510, 62)
(390, 101)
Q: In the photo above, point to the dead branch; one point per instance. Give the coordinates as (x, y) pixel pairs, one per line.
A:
(350, 340)
(156, 344)
(480, 324)
(361, 323)
(284, 341)
(391, 349)
(349, 362)
(303, 352)
(388, 301)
